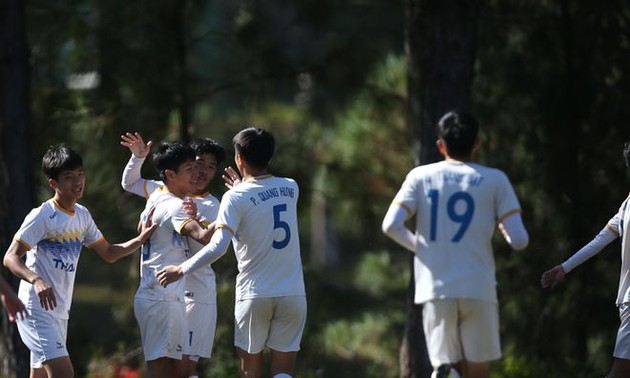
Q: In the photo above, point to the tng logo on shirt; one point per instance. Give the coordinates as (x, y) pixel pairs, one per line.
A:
(68, 267)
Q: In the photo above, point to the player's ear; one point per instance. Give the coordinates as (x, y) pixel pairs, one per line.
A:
(169, 174)
(52, 183)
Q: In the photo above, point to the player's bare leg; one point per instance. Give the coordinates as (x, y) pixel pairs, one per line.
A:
(251, 364)
(163, 367)
(476, 369)
(57, 368)
(188, 366)
(282, 362)
(620, 368)
(38, 373)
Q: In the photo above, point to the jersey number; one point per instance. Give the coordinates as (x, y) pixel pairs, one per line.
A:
(146, 250)
(278, 223)
(463, 218)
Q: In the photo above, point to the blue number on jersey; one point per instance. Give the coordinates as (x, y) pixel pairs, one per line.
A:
(146, 249)
(464, 218)
(277, 223)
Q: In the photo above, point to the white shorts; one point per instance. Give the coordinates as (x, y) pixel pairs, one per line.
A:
(201, 323)
(44, 335)
(276, 323)
(456, 329)
(622, 343)
(162, 327)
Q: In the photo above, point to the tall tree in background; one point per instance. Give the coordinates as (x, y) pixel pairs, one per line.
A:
(15, 159)
(440, 41)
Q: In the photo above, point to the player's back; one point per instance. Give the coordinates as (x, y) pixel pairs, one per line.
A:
(458, 206)
(263, 212)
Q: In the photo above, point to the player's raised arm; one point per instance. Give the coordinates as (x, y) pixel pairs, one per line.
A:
(135, 143)
(132, 180)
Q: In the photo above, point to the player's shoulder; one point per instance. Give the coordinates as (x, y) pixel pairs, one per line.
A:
(423, 170)
(207, 198)
(164, 201)
(158, 195)
(488, 171)
(285, 180)
(46, 208)
(78, 208)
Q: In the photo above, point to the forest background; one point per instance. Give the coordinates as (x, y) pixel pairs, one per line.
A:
(550, 87)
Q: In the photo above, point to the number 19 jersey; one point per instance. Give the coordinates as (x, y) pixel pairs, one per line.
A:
(458, 206)
(262, 215)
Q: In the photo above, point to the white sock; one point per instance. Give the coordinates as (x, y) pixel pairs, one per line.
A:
(282, 375)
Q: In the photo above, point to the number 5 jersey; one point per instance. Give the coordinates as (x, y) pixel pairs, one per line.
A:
(261, 213)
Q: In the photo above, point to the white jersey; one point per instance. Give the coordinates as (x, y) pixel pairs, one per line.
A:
(165, 247)
(54, 238)
(201, 284)
(619, 224)
(458, 206)
(262, 215)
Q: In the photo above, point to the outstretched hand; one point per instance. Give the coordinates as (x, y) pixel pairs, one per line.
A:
(231, 177)
(135, 143)
(169, 274)
(552, 277)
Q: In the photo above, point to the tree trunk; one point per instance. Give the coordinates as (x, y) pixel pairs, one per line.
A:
(566, 184)
(440, 42)
(181, 69)
(324, 251)
(15, 161)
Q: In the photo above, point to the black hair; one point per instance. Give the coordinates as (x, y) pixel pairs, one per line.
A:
(171, 155)
(626, 153)
(60, 158)
(209, 146)
(256, 146)
(459, 131)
